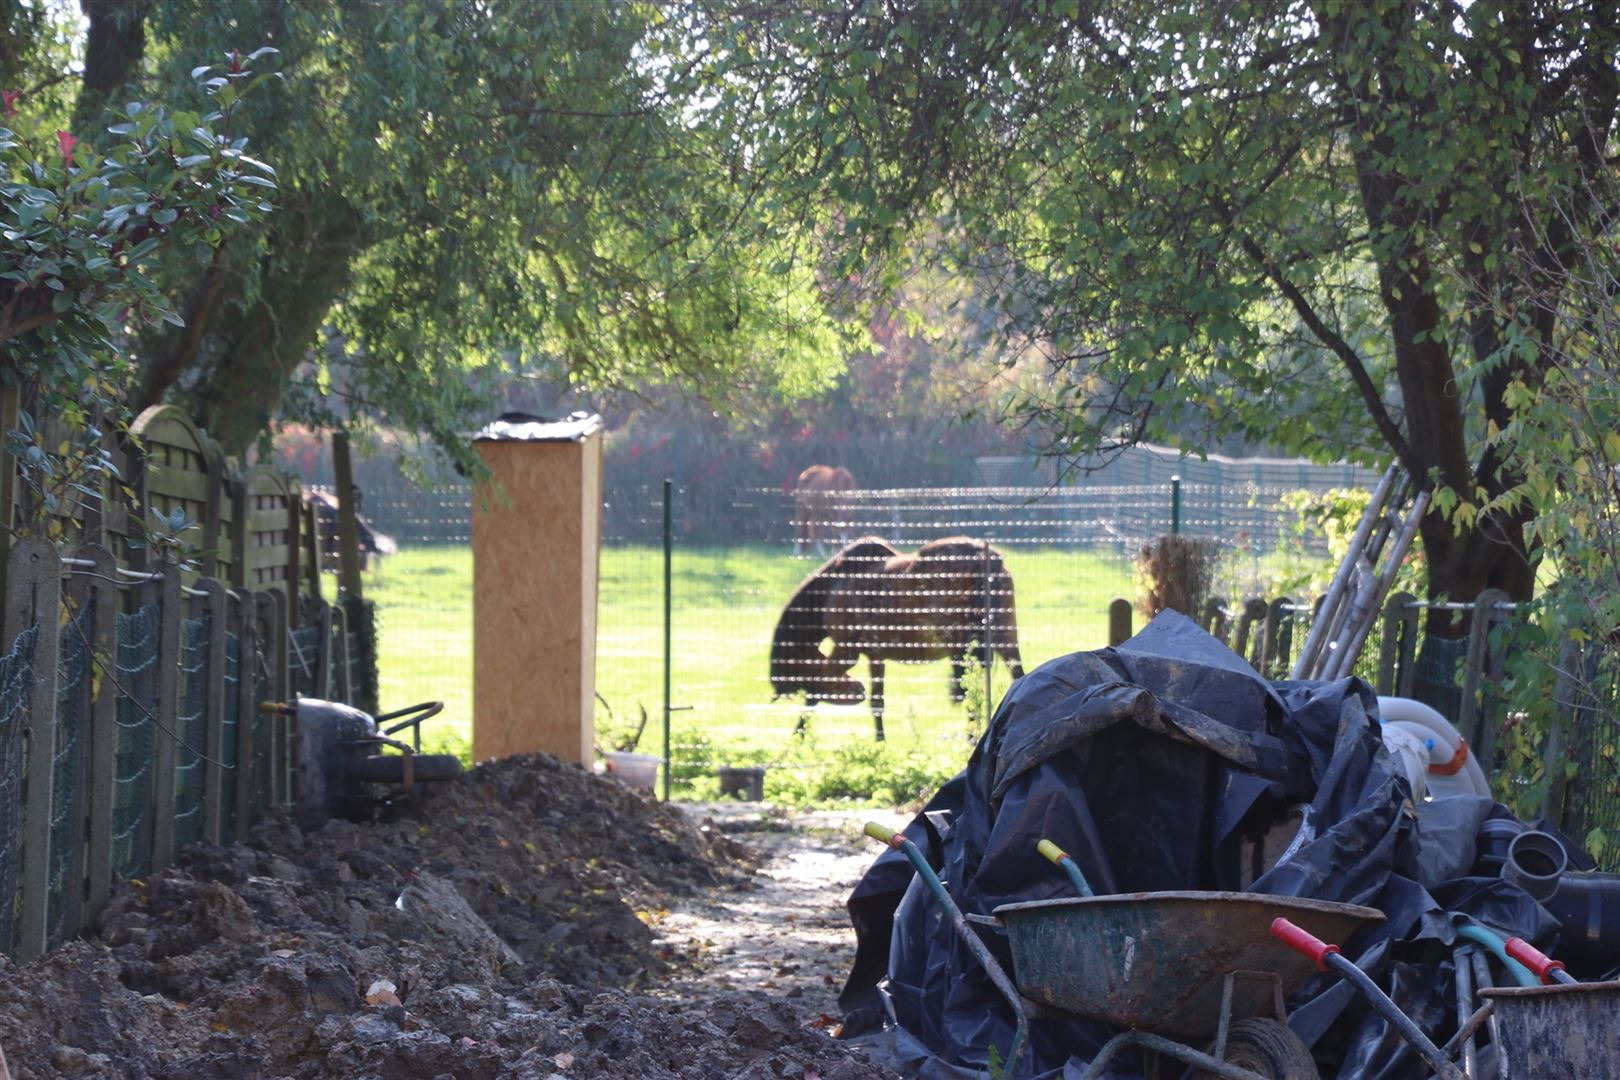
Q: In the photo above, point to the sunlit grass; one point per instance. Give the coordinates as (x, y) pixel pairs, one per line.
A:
(726, 602)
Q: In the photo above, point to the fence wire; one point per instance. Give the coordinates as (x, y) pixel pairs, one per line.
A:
(75, 691)
(258, 726)
(16, 691)
(229, 729)
(192, 729)
(137, 670)
(303, 656)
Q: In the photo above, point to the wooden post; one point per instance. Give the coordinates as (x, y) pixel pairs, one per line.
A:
(218, 602)
(1119, 622)
(247, 634)
(536, 539)
(168, 713)
(348, 517)
(102, 591)
(1396, 653)
(34, 577)
(323, 652)
(10, 409)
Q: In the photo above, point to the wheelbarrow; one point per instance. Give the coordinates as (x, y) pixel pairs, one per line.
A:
(1166, 966)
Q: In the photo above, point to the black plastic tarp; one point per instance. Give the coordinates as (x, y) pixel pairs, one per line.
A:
(1149, 763)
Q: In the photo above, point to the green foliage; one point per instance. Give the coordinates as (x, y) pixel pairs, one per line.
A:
(1340, 229)
(473, 191)
(81, 233)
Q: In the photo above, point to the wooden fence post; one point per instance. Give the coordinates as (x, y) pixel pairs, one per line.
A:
(1119, 622)
(10, 409)
(1471, 717)
(1276, 635)
(348, 517)
(247, 634)
(1397, 652)
(34, 582)
(1254, 612)
(218, 606)
(102, 591)
(323, 652)
(165, 735)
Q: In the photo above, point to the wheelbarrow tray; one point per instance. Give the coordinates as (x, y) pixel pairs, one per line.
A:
(1157, 961)
(1571, 1030)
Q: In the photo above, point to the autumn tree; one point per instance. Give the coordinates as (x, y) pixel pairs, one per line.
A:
(1337, 227)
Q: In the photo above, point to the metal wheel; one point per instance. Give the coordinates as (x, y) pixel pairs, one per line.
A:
(1268, 1049)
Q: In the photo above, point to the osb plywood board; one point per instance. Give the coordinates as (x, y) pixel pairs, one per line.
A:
(535, 554)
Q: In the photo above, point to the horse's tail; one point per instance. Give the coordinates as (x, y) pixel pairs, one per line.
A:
(1004, 615)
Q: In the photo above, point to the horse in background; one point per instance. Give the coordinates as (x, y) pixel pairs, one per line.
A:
(934, 603)
(373, 544)
(815, 505)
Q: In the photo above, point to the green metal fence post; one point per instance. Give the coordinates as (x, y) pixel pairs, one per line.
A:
(1175, 505)
(669, 548)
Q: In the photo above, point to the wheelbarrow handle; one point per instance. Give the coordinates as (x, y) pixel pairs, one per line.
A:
(881, 833)
(998, 976)
(1545, 967)
(1328, 957)
(1303, 942)
(1065, 862)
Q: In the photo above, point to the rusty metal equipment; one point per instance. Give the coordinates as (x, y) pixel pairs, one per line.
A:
(340, 767)
(1160, 961)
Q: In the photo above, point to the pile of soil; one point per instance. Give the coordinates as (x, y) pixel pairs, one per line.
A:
(487, 930)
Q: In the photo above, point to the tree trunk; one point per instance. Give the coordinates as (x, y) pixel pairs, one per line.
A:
(115, 42)
(238, 395)
(1491, 555)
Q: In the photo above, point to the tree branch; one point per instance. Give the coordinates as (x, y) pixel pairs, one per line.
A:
(1347, 355)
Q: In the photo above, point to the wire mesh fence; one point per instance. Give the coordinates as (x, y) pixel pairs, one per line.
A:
(74, 693)
(16, 685)
(230, 734)
(192, 729)
(137, 674)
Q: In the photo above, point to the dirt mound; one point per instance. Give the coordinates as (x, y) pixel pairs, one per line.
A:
(488, 930)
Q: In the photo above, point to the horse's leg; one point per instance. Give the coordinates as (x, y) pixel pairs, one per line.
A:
(877, 695)
(957, 694)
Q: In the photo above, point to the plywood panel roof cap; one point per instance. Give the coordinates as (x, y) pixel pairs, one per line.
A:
(526, 427)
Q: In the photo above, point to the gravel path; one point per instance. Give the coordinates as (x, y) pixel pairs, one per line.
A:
(784, 931)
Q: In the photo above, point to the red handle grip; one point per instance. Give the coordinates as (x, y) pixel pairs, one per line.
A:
(1302, 942)
(1534, 959)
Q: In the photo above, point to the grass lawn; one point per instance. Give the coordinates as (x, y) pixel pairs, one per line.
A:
(725, 608)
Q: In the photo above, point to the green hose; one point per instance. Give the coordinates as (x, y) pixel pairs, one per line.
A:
(1468, 930)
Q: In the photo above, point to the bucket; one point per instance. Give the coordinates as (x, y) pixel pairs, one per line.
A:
(1558, 1031)
(634, 770)
(746, 782)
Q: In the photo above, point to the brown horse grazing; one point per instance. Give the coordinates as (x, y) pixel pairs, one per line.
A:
(815, 503)
(934, 603)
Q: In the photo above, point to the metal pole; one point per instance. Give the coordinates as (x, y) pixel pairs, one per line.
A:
(669, 548)
(989, 653)
(1175, 505)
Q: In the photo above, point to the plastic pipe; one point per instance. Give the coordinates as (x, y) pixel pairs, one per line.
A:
(964, 931)
(1535, 861)
(1447, 743)
(1062, 861)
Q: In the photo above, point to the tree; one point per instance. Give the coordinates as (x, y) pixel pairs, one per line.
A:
(465, 187)
(1343, 228)
(80, 232)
